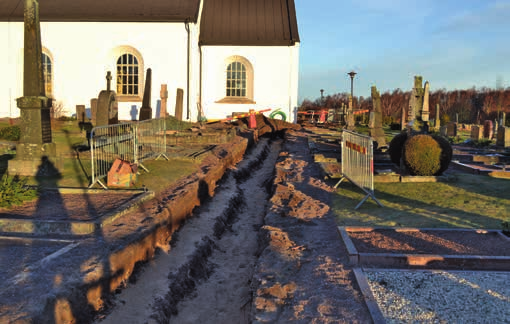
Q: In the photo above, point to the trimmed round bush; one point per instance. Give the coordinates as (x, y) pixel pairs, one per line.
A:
(446, 153)
(422, 155)
(396, 146)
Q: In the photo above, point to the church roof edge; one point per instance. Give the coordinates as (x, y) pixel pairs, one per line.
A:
(106, 11)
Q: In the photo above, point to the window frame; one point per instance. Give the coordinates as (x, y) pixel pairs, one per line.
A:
(117, 54)
(247, 98)
(46, 53)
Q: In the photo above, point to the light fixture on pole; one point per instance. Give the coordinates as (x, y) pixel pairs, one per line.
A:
(352, 74)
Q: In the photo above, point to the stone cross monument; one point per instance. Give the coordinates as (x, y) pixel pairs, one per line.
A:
(107, 110)
(36, 152)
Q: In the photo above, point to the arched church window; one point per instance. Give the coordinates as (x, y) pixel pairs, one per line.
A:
(47, 66)
(236, 80)
(128, 75)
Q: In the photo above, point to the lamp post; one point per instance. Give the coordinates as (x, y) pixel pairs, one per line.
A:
(352, 74)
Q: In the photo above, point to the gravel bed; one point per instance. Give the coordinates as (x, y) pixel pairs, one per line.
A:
(438, 296)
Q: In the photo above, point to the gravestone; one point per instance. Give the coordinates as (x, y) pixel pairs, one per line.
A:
(179, 98)
(371, 120)
(351, 123)
(35, 152)
(146, 110)
(438, 118)
(451, 129)
(503, 138)
(163, 94)
(488, 131)
(377, 132)
(403, 119)
(416, 99)
(80, 113)
(443, 130)
(476, 133)
(93, 110)
(425, 110)
(107, 111)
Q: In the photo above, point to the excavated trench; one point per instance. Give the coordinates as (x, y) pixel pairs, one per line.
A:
(206, 276)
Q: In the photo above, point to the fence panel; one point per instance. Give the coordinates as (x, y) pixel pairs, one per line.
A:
(358, 163)
(108, 143)
(132, 142)
(150, 140)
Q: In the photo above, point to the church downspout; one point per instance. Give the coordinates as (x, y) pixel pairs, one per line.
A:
(186, 25)
(200, 78)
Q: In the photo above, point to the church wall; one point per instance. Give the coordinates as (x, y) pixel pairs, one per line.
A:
(84, 51)
(275, 75)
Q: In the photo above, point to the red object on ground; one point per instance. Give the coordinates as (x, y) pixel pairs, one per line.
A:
(252, 122)
(323, 115)
(122, 174)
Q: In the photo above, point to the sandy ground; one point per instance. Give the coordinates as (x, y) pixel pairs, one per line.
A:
(221, 293)
(280, 258)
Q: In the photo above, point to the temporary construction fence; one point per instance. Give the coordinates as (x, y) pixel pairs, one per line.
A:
(358, 163)
(132, 142)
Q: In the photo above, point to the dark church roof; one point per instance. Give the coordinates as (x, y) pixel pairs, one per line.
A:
(249, 22)
(106, 10)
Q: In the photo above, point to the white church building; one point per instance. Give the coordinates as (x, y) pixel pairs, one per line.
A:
(226, 55)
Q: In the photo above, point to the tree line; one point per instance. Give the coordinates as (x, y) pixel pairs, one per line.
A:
(471, 106)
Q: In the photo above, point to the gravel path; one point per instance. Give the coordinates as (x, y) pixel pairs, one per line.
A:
(441, 296)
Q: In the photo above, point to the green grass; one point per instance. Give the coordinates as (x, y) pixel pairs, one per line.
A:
(76, 172)
(469, 202)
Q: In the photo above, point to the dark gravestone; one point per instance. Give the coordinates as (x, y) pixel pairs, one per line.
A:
(503, 138)
(451, 129)
(179, 98)
(488, 131)
(35, 152)
(80, 113)
(146, 110)
(93, 110)
(107, 111)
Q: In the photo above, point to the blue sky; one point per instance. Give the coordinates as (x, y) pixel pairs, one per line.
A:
(452, 44)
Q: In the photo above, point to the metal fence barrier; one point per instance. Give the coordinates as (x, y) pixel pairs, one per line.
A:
(132, 142)
(358, 163)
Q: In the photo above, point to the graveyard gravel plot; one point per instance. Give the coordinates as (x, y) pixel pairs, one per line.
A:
(54, 206)
(431, 242)
(441, 296)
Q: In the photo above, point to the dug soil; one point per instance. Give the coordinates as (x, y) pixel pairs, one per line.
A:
(443, 242)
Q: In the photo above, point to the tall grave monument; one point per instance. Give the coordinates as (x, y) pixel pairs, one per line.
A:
(35, 152)
(376, 130)
(146, 110)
